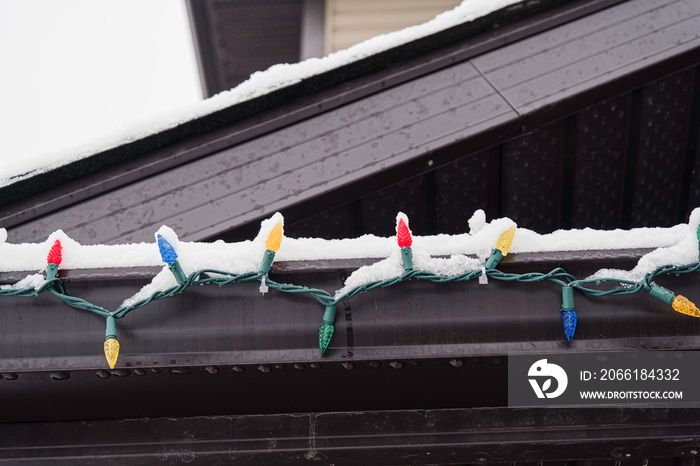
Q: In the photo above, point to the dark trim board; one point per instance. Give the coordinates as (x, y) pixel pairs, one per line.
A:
(200, 21)
(520, 437)
(235, 38)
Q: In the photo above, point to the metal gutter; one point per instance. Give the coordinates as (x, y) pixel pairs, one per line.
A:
(235, 344)
(442, 436)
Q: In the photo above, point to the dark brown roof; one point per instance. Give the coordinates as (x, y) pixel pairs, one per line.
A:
(488, 120)
(575, 125)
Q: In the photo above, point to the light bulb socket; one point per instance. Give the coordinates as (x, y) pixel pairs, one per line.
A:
(111, 328)
(51, 272)
(407, 256)
(266, 264)
(177, 272)
(494, 259)
(663, 294)
(567, 298)
(329, 314)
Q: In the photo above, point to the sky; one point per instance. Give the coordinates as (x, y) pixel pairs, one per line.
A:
(73, 70)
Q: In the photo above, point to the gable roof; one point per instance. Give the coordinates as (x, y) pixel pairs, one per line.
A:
(123, 167)
(263, 84)
(338, 136)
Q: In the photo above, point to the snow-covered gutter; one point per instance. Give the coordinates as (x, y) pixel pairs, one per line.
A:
(438, 254)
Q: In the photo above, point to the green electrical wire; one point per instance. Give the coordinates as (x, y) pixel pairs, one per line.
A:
(557, 275)
(222, 278)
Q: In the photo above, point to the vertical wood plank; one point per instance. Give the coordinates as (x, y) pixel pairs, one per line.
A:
(660, 159)
(601, 136)
(531, 178)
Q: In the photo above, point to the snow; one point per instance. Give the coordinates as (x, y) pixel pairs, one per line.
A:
(392, 267)
(383, 270)
(30, 281)
(446, 255)
(259, 83)
(477, 221)
(683, 252)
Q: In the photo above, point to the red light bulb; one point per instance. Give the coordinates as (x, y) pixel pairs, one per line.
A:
(55, 254)
(403, 235)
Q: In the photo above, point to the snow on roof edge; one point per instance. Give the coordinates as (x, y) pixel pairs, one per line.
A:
(260, 83)
(676, 245)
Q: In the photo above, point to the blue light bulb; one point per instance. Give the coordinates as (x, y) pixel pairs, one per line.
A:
(167, 252)
(569, 319)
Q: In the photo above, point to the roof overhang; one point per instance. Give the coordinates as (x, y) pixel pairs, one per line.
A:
(496, 113)
(264, 349)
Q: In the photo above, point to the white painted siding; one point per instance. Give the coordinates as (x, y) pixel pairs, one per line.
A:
(348, 22)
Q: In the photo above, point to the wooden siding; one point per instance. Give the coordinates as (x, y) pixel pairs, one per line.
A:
(349, 22)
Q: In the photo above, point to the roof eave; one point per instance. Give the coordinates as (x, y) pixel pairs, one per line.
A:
(135, 160)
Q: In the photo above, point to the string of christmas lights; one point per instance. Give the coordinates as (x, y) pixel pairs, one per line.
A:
(169, 256)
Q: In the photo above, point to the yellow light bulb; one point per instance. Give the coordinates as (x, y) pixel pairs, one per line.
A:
(274, 239)
(506, 240)
(111, 351)
(685, 306)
